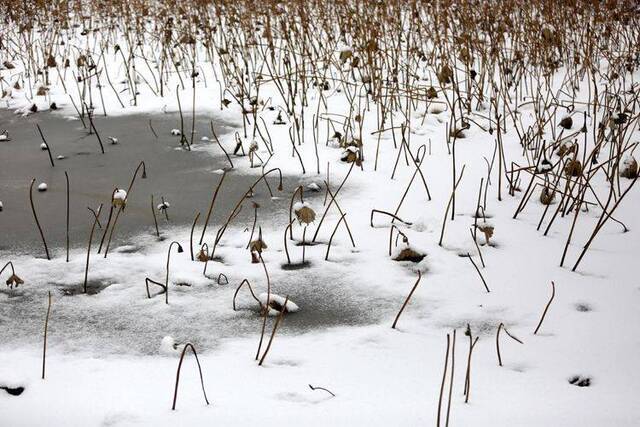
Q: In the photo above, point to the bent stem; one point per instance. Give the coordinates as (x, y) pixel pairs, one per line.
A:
(175, 392)
(96, 216)
(500, 327)
(46, 329)
(35, 216)
(544, 313)
(275, 328)
(406, 301)
(245, 281)
(166, 283)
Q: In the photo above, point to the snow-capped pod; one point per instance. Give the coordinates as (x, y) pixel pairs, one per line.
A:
(276, 304)
(1, 206)
(60, 157)
(345, 52)
(405, 252)
(169, 346)
(487, 229)
(4, 136)
(313, 187)
(176, 132)
(304, 213)
(43, 186)
(119, 198)
(350, 155)
(43, 147)
(113, 140)
(629, 167)
(163, 206)
(205, 138)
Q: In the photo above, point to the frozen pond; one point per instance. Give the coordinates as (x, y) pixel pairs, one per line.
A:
(186, 179)
(119, 318)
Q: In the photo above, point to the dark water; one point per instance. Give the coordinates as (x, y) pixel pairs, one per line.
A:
(186, 179)
(117, 318)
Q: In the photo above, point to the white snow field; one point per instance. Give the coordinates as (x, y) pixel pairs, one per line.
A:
(483, 150)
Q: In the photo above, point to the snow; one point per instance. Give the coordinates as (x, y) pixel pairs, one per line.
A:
(291, 307)
(313, 187)
(119, 195)
(107, 352)
(169, 347)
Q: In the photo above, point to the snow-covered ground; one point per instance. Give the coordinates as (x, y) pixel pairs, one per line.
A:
(105, 362)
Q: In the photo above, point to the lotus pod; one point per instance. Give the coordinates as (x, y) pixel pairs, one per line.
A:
(409, 254)
(629, 168)
(445, 74)
(566, 122)
(202, 256)
(119, 198)
(547, 195)
(305, 214)
(345, 55)
(566, 148)
(487, 230)
(258, 245)
(14, 280)
(573, 168)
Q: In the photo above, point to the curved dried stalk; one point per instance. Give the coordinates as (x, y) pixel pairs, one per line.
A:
(315, 235)
(314, 388)
(96, 220)
(166, 282)
(406, 301)
(444, 379)
(326, 257)
(500, 327)
(193, 226)
(299, 189)
(35, 217)
(275, 328)
(44, 141)
(265, 309)
(245, 281)
(155, 219)
(388, 214)
(146, 284)
(446, 212)
(544, 313)
(478, 270)
(213, 201)
(121, 208)
(66, 175)
(175, 392)
(46, 329)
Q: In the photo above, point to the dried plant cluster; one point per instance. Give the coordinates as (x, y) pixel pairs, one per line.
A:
(483, 61)
(560, 75)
